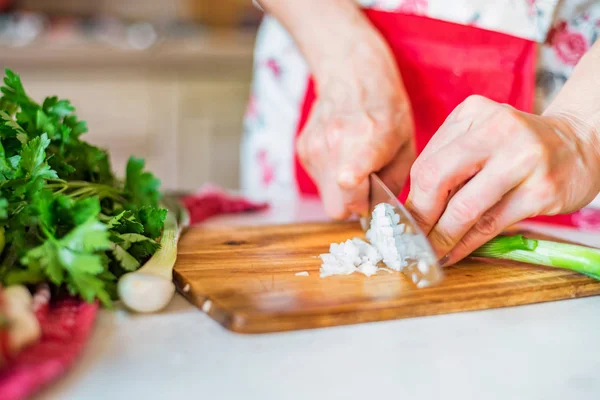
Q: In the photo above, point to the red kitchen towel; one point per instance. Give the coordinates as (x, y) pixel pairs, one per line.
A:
(67, 323)
(212, 200)
(66, 326)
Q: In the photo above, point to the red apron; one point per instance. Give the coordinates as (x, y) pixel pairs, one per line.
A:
(443, 63)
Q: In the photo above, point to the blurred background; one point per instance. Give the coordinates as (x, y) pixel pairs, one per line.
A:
(167, 80)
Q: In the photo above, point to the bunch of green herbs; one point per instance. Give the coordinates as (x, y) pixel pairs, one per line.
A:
(65, 218)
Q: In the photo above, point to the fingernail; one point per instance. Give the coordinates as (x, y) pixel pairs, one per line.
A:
(444, 260)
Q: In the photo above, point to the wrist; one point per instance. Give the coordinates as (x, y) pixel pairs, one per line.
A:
(351, 90)
(335, 40)
(360, 53)
(361, 71)
(351, 47)
(585, 136)
(577, 106)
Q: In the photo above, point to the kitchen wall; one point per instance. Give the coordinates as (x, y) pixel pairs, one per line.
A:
(169, 87)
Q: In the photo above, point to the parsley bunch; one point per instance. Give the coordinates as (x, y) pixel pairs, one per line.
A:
(64, 216)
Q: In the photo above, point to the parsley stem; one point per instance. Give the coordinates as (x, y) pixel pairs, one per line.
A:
(80, 192)
(81, 189)
(46, 232)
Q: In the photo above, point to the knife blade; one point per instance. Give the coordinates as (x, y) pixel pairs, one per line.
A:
(422, 267)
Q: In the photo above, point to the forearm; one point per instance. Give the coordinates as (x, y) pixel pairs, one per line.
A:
(328, 33)
(578, 102)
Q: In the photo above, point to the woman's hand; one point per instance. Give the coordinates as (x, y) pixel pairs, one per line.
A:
(490, 166)
(360, 123)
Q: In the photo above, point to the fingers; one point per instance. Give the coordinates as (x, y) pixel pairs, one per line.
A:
(311, 147)
(489, 167)
(460, 122)
(321, 165)
(374, 148)
(320, 145)
(433, 179)
(339, 152)
(357, 200)
(468, 207)
(395, 173)
(513, 208)
(333, 197)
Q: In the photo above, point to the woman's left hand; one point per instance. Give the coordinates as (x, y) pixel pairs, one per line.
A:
(490, 166)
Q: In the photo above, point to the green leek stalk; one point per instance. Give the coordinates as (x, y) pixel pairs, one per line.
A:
(582, 259)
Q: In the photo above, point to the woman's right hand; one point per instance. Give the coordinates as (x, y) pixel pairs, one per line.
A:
(361, 121)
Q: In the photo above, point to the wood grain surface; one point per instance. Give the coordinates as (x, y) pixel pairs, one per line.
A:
(244, 278)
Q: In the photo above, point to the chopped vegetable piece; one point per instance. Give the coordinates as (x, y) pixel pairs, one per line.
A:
(350, 256)
(582, 259)
(389, 242)
(390, 238)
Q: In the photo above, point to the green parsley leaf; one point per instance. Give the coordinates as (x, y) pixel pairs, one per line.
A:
(90, 236)
(153, 220)
(67, 220)
(127, 239)
(85, 209)
(33, 159)
(141, 187)
(73, 259)
(14, 91)
(10, 128)
(3, 208)
(126, 260)
(7, 169)
(60, 108)
(89, 287)
(143, 250)
(125, 222)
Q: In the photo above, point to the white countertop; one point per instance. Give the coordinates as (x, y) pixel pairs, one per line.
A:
(544, 351)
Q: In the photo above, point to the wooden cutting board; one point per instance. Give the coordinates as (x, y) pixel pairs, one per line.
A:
(244, 278)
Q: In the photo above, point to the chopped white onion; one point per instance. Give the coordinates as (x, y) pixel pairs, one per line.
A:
(368, 269)
(353, 255)
(387, 236)
(388, 242)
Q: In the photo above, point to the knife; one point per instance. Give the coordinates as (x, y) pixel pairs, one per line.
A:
(423, 267)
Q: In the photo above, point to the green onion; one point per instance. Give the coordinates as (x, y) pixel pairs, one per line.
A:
(151, 288)
(582, 259)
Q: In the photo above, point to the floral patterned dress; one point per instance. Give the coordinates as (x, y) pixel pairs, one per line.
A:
(563, 29)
